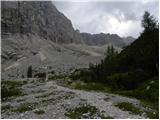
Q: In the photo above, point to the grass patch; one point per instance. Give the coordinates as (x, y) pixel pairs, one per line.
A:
(13, 83)
(69, 95)
(23, 107)
(62, 79)
(39, 112)
(128, 107)
(20, 100)
(79, 111)
(153, 114)
(91, 86)
(149, 91)
(50, 100)
(56, 96)
(7, 92)
(83, 100)
(151, 109)
(107, 99)
(11, 88)
(108, 117)
(5, 108)
(149, 97)
(55, 77)
(90, 111)
(46, 95)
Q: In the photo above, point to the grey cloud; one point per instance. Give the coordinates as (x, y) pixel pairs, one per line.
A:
(121, 18)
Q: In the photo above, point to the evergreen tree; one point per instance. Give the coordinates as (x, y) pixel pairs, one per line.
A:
(149, 22)
(110, 53)
(29, 72)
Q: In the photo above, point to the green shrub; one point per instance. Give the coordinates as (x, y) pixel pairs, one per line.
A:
(81, 74)
(39, 112)
(23, 107)
(79, 111)
(148, 91)
(91, 86)
(4, 108)
(11, 88)
(29, 72)
(126, 81)
(61, 76)
(128, 107)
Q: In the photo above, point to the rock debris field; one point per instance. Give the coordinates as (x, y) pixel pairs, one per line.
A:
(47, 99)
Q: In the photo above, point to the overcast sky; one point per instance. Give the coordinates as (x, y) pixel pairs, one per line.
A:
(116, 17)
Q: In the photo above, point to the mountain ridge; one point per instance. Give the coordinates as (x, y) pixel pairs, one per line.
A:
(106, 38)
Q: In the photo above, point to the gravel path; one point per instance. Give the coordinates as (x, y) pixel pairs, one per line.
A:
(54, 101)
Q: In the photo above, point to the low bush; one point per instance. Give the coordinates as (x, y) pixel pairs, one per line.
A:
(11, 88)
(126, 81)
(128, 107)
(91, 86)
(79, 111)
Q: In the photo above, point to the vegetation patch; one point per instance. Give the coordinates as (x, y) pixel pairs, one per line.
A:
(46, 95)
(79, 111)
(14, 83)
(11, 88)
(39, 112)
(69, 95)
(91, 86)
(38, 91)
(20, 100)
(85, 112)
(151, 109)
(108, 117)
(148, 94)
(107, 99)
(152, 114)
(128, 107)
(23, 107)
(49, 100)
(83, 100)
(148, 91)
(5, 108)
(61, 76)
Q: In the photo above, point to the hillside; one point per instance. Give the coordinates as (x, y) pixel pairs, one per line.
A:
(136, 63)
(36, 18)
(34, 34)
(102, 39)
(133, 72)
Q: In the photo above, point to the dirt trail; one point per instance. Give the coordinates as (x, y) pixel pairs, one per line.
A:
(54, 101)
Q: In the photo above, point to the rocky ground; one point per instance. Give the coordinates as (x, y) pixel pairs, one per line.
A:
(46, 56)
(47, 99)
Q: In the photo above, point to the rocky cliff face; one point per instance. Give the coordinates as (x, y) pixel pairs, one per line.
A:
(30, 33)
(102, 39)
(37, 18)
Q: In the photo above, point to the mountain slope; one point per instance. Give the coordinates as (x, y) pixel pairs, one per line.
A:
(136, 67)
(36, 17)
(141, 54)
(101, 39)
(33, 33)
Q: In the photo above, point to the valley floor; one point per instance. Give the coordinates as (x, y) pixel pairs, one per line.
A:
(49, 100)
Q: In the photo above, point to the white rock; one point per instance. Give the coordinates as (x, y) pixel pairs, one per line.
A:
(85, 115)
(148, 87)
(22, 115)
